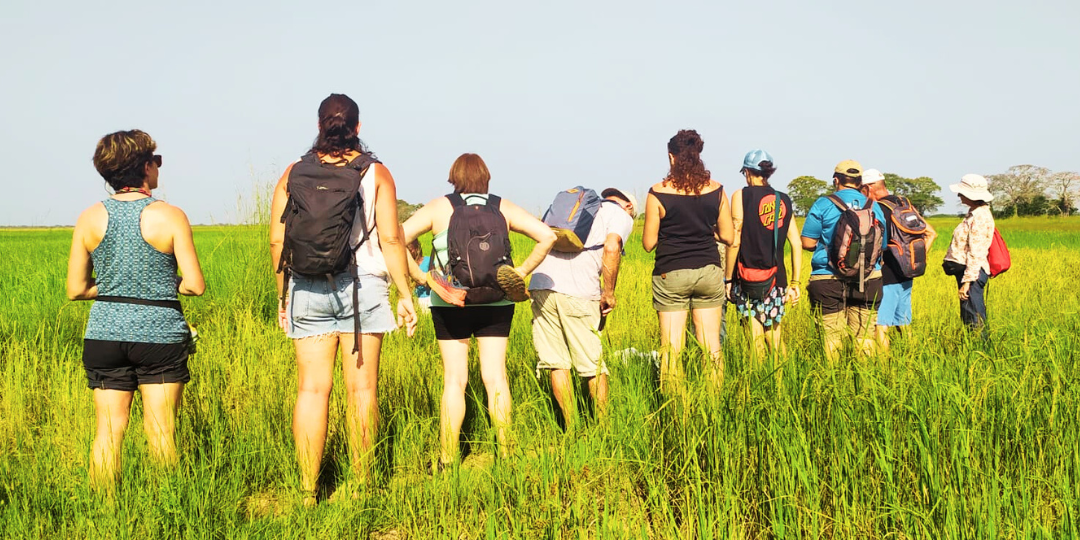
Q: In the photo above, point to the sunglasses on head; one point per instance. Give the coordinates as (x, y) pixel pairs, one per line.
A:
(156, 158)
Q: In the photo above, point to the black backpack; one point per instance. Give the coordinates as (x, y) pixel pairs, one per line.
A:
(324, 200)
(856, 243)
(907, 236)
(477, 244)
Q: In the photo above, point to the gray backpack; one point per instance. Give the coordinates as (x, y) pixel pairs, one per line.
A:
(571, 217)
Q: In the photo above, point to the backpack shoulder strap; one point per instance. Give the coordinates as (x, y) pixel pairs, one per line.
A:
(362, 162)
(455, 200)
(838, 202)
(494, 201)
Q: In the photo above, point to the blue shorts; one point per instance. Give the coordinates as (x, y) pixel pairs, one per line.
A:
(322, 306)
(895, 308)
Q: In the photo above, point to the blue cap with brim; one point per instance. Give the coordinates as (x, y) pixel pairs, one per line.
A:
(754, 158)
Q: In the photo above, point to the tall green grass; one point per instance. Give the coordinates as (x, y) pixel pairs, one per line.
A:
(947, 438)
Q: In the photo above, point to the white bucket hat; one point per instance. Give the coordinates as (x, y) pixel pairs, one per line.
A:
(974, 187)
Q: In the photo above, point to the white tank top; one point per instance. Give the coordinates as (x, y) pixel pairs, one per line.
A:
(369, 257)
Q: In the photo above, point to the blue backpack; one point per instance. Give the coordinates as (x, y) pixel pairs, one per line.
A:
(571, 217)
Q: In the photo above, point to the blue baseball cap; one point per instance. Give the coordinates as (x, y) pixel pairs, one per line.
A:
(753, 158)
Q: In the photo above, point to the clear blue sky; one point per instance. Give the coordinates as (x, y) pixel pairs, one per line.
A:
(551, 94)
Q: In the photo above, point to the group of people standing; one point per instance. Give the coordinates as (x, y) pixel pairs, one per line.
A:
(336, 245)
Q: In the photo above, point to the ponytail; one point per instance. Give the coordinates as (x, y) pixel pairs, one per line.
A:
(688, 172)
(765, 170)
(338, 118)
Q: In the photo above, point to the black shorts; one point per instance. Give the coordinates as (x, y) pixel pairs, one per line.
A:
(124, 365)
(833, 295)
(480, 321)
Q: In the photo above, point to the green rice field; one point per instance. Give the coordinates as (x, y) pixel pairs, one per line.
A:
(949, 437)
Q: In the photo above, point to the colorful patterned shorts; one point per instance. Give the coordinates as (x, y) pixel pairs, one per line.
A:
(768, 311)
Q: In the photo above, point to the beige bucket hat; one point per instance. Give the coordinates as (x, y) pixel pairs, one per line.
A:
(974, 187)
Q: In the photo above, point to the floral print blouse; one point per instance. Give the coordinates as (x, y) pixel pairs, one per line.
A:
(971, 240)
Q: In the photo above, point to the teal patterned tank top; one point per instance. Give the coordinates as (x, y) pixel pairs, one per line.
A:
(125, 265)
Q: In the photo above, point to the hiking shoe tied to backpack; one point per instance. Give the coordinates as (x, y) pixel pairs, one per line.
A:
(512, 283)
(450, 292)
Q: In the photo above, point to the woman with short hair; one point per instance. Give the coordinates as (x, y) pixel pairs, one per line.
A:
(685, 214)
(969, 251)
(757, 283)
(457, 321)
(318, 312)
(125, 253)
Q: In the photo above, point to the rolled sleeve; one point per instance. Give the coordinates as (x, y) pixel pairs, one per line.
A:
(812, 225)
(624, 227)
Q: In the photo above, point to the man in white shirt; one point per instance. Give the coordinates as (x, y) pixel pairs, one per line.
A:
(569, 304)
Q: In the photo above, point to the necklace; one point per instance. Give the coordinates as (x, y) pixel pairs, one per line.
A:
(144, 191)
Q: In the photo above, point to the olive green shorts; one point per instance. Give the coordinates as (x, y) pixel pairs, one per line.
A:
(694, 288)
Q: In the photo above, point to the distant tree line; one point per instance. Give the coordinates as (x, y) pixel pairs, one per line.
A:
(406, 210)
(1030, 190)
(1023, 190)
(921, 191)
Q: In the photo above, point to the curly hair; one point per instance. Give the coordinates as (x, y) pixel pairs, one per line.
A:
(688, 172)
(121, 157)
(338, 118)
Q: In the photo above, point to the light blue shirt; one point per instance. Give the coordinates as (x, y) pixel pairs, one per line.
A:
(423, 291)
(821, 222)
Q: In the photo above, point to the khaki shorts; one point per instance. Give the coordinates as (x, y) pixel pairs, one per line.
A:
(565, 333)
(695, 288)
(844, 309)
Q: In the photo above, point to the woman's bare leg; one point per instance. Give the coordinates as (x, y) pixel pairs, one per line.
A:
(672, 339)
(315, 372)
(774, 338)
(112, 408)
(493, 373)
(161, 403)
(758, 340)
(455, 355)
(775, 341)
(361, 373)
(707, 329)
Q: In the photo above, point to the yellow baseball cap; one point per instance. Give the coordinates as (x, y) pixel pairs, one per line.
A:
(849, 167)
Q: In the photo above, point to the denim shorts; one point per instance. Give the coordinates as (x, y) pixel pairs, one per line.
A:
(895, 307)
(324, 306)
